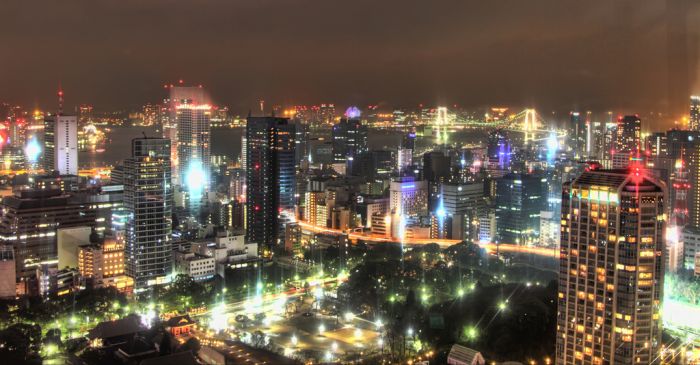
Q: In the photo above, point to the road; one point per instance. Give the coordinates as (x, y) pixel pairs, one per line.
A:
(489, 246)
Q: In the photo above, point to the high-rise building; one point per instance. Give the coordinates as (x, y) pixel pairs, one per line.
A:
(519, 200)
(61, 144)
(578, 127)
(187, 126)
(694, 120)
(270, 178)
(628, 143)
(193, 147)
(29, 220)
(349, 138)
(148, 200)
(611, 269)
(458, 209)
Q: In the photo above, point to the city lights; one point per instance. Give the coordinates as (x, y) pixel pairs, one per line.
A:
(498, 195)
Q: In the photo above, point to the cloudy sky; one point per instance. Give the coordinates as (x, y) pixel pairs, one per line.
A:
(553, 54)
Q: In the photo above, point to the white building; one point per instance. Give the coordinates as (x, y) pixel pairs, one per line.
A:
(404, 158)
(691, 247)
(65, 143)
(194, 265)
(408, 197)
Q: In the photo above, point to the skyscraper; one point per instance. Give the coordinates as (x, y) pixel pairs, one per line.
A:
(61, 144)
(611, 269)
(628, 142)
(270, 178)
(148, 199)
(187, 126)
(349, 138)
(694, 121)
(519, 200)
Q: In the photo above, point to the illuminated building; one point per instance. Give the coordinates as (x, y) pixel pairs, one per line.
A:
(270, 179)
(303, 134)
(187, 125)
(404, 158)
(694, 113)
(244, 151)
(611, 269)
(84, 120)
(90, 262)
(628, 142)
(408, 197)
(29, 222)
(237, 188)
(311, 201)
(691, 247)
(326, 114)
(8, 276)
(578, 132)
(458, 210)
(520, 199)
(192, 116)
(499, 150)
(487, 226)
(349, 138)
(194, 265)
(61, 144)
(148, 199)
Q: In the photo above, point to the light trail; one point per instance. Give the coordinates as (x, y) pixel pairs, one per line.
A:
(489, 246)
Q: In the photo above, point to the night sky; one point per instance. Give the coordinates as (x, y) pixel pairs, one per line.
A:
(552, 54)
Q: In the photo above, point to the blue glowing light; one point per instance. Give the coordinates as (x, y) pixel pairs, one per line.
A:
(196, 178)
(552, 147)
(32, 150)
(441, 212)
(352, 112)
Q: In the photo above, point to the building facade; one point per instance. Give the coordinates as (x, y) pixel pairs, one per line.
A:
(148, 199)
(611, 269)
(270, 179)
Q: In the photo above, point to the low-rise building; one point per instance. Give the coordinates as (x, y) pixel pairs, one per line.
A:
(194, 265)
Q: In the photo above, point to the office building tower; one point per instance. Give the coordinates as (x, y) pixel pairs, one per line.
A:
(61, 144)
(404, 158)
(520, 198)
(270, 179)
(611, 269)
(458, 209)
(349, 138)
(628, 142)
(408, 197)
(301, 140)
(408, 200)
(148, 200)
(30, 219)
(186, 124)
(193, 146)
(579, 133)
(244, 151)
(8, 278)
(694, 120)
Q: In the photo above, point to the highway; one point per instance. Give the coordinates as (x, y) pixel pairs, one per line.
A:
(489, 246)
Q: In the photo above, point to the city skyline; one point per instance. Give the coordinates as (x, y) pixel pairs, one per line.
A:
(321, 182)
